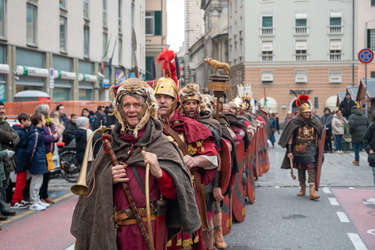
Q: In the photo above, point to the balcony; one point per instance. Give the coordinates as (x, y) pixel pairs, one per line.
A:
(301, 30)
(301, 58)
(267, 58)
(335, 56)
(335, 30)
(269, 31)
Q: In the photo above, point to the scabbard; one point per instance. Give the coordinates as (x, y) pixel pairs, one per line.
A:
(160, 224)
(201, 199)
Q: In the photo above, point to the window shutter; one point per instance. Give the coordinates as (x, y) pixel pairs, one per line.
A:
(158, 23)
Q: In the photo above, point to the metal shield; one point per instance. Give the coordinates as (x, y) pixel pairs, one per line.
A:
(319, 162)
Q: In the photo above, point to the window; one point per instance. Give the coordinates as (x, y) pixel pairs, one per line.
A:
(335, 76)
(63, 33)
(62, 4)
(86, 41)
(119, 16)
(301, 51)
(119, 51)
(31, 24)
(149, 61)
(372, 2)
(372, 74)
(267, 25)
(86, 9)
(2, 18)
(105, 44)
(153, 23)
(267, 76)
(301, 23)
(300, 76)
(371, 39)
(335, 25)
(335, 49)
(267, 51)
(104, 13)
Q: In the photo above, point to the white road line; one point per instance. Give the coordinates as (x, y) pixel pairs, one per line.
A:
(277, 186)
(357, 242)
(351, 188)
(326, 190)
(342, 216)
(334, 202)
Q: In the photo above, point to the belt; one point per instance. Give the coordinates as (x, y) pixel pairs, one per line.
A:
(128, 222)
(128, 214)
(306, 144)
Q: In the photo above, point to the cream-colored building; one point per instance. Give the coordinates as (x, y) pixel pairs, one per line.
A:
(301, 46)
(69, 40)
(156, 35)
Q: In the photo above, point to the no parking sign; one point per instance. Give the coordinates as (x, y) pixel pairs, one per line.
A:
(366, 56)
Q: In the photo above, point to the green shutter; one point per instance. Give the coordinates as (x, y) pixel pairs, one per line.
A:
(149, 60)
(158, 23)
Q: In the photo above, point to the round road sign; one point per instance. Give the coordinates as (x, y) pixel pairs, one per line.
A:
(366, 56)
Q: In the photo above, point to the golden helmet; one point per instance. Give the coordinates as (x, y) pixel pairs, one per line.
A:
(304, 107)
(190, 92)
(166, 86)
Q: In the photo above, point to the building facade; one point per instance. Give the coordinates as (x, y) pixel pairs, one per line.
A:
(69, 49)
(279, 48)
(156, 35)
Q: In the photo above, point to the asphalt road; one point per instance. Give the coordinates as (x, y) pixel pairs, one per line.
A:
(343, 218)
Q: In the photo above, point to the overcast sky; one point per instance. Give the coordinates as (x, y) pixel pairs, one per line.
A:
(175, 23)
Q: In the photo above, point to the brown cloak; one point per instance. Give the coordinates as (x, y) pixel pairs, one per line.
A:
(91, 223)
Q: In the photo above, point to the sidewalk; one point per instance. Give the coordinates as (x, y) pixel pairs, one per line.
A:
(337, 170)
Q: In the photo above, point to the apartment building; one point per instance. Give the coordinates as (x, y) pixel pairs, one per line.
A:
(67, 48)
(156, 35)
(278, 48)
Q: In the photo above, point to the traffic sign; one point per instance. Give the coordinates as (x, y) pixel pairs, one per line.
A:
(366, 56)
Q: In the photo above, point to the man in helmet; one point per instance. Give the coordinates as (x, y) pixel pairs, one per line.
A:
(300, 138)
(113, 215)
(196, 145)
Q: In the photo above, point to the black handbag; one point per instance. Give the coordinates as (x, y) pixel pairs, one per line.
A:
(371, 159)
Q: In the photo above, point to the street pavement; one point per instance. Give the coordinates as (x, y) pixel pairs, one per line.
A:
(49, 229)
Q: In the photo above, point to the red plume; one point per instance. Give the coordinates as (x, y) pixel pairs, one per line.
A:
(166, 58)
(302, 99)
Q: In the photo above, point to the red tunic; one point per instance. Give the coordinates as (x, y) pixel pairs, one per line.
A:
(164, 184)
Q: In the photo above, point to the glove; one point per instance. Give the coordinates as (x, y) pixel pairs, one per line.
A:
(9, 152)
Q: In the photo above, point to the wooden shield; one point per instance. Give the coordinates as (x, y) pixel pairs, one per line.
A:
(250, 168)
(238, 192)
(227, 217)
(226, 167)
(319, 162)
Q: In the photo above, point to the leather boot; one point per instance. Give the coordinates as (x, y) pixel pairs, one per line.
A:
(302, 192)
(313, 195)
(219, 239)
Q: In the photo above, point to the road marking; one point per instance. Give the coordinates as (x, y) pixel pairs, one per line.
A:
(277, 186)
(326, 190)
(342, 216)
(370, 201)
(334, 202)
(350, 187)
(371, 231)
(357, 242)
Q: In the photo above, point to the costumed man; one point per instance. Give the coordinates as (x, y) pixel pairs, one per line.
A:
(196, 145)
(194, 107)
(113, 215)
(300, 138)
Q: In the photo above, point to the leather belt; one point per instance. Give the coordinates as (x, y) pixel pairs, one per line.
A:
(128, 214)
(128, 222)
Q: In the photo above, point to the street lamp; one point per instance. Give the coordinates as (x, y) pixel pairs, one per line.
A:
(366, 98)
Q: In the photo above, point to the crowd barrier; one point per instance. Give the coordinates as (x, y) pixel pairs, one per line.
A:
(13, 109)
(253, 163)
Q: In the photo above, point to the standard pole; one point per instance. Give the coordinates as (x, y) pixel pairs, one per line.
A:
(366, 98)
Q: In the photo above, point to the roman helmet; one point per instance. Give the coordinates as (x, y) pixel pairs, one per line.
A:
(304, 107)
(168, 84)
(138, 87)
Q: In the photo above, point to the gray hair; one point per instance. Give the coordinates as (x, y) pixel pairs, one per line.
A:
(43, 109)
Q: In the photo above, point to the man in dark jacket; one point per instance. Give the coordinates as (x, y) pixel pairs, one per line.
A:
(8, 139)
(70, 130)
(358, 124)
(346, 106)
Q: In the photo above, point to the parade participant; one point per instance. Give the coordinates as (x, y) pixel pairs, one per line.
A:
(9, 139)
(195, 142)
(137, 140)
(289, 116)
(193, 106)
(300, 138)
